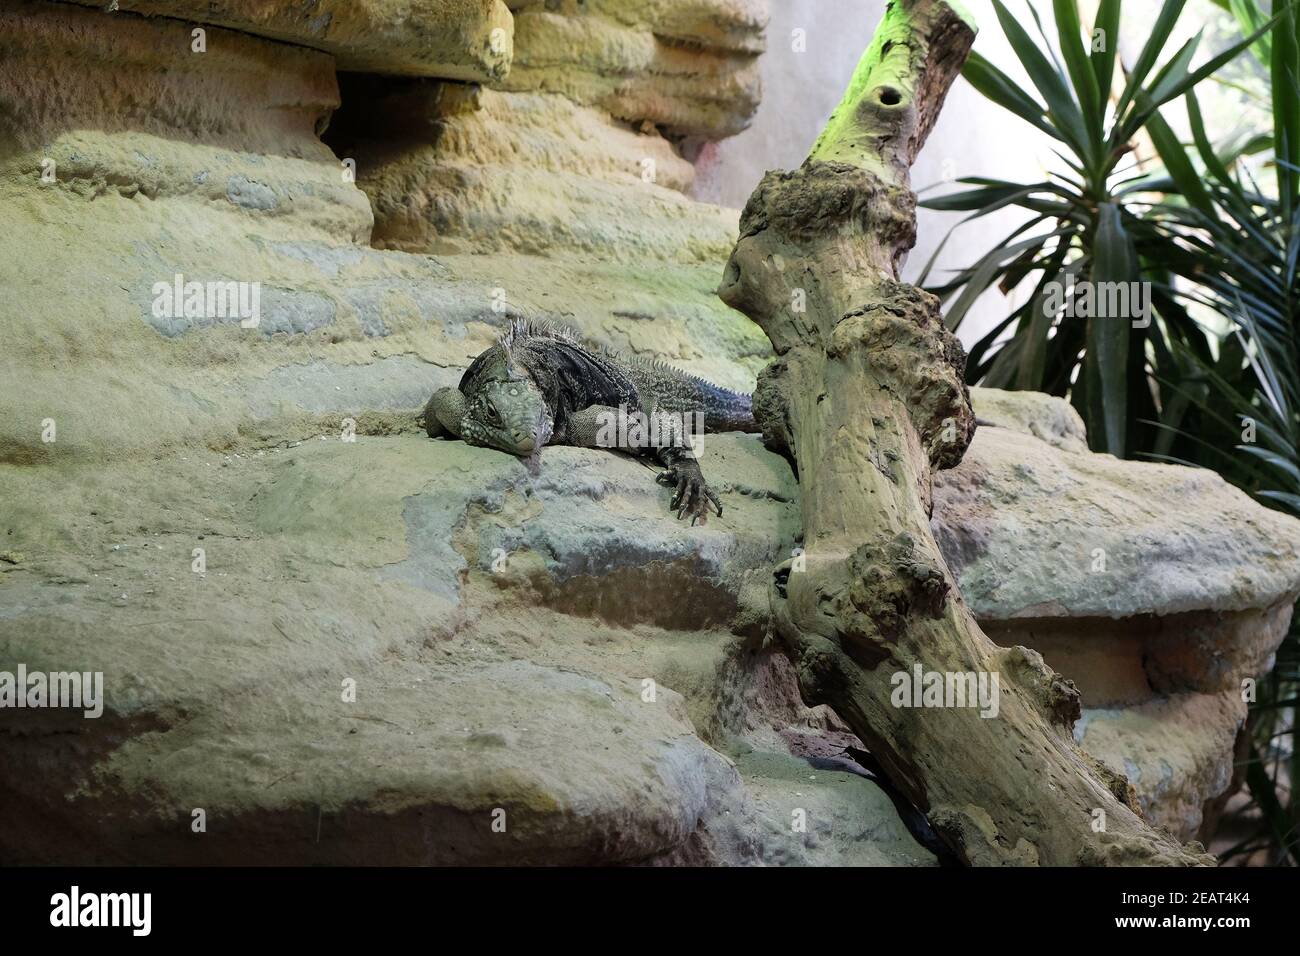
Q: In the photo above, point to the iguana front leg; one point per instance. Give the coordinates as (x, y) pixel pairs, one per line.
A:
(629, 430)
(444, 412)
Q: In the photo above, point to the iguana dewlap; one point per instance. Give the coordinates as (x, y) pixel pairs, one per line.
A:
(541, 385)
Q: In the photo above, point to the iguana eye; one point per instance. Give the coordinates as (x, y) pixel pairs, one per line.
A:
(492, 415)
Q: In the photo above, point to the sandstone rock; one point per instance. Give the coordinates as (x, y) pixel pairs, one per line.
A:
(690, 67)
(131, 114)
(1177, 751)
(1047, 418)
(531, 192)
(1158, 589)
(456, 39)
(531, 188)
(332, 562)
(452, 172)
(715, 24)
(1031, 531)
(597, 546)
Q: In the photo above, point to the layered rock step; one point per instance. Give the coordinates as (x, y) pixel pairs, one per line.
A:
(563, 185)
(208, 167)
(458, 39)
(320, 689)
(688, 66)
(533, 195)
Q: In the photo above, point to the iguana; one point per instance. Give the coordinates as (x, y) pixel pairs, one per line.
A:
(540, 384)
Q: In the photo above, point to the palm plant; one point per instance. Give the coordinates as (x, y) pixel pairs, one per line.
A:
(1088, 221)
(1277, 48)
(1241, 416)
(1210, 241)
(1240, 413)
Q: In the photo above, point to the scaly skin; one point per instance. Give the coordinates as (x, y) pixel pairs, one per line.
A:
(541, 385)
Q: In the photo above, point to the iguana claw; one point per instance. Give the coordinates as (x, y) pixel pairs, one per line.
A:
(692, 494)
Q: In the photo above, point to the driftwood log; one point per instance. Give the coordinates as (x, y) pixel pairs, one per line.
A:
(866, 397)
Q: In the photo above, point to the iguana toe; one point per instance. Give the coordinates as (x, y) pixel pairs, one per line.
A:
(691, 493)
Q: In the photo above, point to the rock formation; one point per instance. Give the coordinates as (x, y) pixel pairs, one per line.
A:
(459, 39)
(358, 650)
(1168, 589)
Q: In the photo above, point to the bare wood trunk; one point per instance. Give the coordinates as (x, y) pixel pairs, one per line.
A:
(867, 397)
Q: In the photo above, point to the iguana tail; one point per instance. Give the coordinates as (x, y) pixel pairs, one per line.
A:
(727, 411)
(673, 390)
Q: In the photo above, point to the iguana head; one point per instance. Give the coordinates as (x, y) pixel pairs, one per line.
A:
(508, 414)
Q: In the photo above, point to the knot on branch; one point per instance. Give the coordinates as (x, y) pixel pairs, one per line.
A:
(788, 224)
(820, 198)
(889, 584)
(1055, 697)
(911, 354)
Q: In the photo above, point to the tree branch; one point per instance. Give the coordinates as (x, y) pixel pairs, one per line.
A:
(867, 396)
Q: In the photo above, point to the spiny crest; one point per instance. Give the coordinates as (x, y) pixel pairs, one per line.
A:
(523, 329)
(659, 365)
(520, 329)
